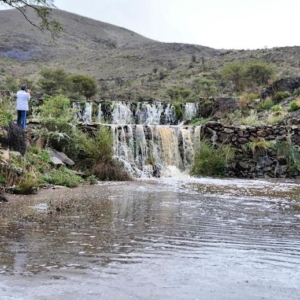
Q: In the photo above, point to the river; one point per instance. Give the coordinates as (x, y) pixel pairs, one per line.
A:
(153, 239)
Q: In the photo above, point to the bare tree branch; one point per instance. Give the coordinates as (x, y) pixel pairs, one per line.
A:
(43, 10)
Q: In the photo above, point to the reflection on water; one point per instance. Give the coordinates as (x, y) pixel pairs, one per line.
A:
(166, 239)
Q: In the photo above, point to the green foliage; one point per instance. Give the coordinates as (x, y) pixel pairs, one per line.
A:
(57, 118)
(84, 85)
(205, 87)
(92, 179)
(266, 104)
(210, 161)
(5, 117)
(248, 73)
(251, 120)
(10, 84)
(178, 110)
(28, 185)
(294, 106)
(290, 152)
(36, 160)
(178, 94)
(95, 149)
(258, 72)
(54, 81)
(279, 96)
(63, 176)
(259, 146)
(7, 111)
(3, 179)
(199, 121)
(44, 156)
(234, 72)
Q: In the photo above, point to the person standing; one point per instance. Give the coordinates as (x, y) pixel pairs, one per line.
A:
(23, 97)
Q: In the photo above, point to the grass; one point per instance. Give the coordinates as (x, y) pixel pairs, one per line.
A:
(64, 177)
(260, 146)
(211, 161)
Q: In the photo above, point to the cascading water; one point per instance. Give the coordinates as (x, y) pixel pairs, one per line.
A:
(147, 137)
(149, 150)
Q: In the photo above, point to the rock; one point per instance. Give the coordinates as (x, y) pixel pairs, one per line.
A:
(3, 198)
(242, 166)
(261, 133)
(56, 161)
(282, 160)
(5, 154)
(228, 130)
(60, 156)
(242, 140)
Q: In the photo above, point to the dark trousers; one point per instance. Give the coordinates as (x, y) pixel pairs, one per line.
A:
(22, 118)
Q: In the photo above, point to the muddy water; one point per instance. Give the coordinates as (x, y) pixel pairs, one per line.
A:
(166, 239)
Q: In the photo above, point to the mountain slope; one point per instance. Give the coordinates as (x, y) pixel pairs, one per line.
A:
(87, 46)
(108, 53)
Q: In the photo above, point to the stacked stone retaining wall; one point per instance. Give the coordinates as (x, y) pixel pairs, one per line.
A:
(280, 160)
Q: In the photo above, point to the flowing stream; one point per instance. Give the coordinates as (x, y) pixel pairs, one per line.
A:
(161, 238)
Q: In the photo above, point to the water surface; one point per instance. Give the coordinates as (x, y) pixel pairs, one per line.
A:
(155, 239)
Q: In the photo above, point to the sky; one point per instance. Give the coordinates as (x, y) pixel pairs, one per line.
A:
(220, 24)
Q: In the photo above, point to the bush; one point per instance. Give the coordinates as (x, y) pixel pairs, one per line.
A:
(210, 161)
(63, 176)
(294, 106)
(28, 185)
(178, 111)
(96, 148)
(259, 146)
(279, 96)
(266, 104)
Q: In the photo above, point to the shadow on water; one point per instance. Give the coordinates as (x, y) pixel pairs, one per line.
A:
(166, 239)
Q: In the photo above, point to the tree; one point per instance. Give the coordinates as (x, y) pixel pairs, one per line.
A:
(83, 85)
(235, 72)
(258, 72)
(205, 87)
(54, 82)
(43, 10)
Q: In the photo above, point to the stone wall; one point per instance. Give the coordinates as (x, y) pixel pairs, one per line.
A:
(279, 159)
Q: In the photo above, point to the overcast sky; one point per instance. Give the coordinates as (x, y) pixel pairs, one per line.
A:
(228, 24)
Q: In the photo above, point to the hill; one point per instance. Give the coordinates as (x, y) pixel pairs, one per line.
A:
(122, 60)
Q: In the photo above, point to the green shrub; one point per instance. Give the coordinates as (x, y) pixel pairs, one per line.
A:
(276, 108)
(294, 106)
(259, 146)
(28, 185)
(96, 148)
(266, 104)
(44, 156)
(281, 95)
(199, 121)
(290, 152)
(178, 111)
(63, 176)
(92, 179)
(210, 161)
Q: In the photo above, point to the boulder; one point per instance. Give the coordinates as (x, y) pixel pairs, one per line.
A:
(57, 156)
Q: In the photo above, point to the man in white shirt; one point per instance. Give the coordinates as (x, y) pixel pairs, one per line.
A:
(23, 97)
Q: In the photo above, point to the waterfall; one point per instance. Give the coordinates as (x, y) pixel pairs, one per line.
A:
(148, 150)
(147, 137)
(122, 113)
(190, 111)
(144, 113)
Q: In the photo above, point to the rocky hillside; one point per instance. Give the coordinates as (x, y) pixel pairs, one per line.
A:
(108, 53)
